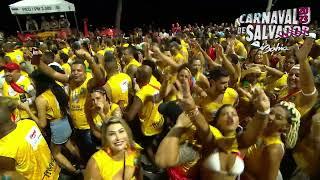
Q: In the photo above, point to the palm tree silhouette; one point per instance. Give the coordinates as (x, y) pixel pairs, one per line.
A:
(118, 15)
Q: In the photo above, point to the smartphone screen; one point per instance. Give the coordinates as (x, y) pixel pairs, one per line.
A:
(35, 56)
(23, 98)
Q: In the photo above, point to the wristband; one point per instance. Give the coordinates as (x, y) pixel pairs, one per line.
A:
(266, 112)
(309, 94)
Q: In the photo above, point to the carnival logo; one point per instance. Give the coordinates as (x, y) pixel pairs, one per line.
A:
(275, 24)
(267, 48)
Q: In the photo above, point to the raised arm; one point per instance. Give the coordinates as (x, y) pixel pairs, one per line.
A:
(168, 151)
(225, 61)
(98, 75)
(211, 63)
(256, 126)
(64, 78)
(194, 114)
(166, 87)
(307, 85)
(165, 58)
(273, 71)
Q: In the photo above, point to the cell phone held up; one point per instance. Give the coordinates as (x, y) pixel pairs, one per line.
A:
(23, 98)
(36, 56)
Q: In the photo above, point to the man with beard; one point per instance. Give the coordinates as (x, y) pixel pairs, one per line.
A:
(218, 94)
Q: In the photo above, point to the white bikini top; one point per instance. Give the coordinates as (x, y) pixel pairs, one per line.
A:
(213, 164)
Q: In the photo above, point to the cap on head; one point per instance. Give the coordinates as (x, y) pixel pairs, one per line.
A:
(11, 66)
(252, 70)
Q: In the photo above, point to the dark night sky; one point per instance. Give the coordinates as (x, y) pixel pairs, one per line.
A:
(164, 12)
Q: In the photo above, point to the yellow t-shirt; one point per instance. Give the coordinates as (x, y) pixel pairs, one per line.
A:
(209, 108)
(240, 49)
(25, 83)
(97, 119)
(109, 168)
(184, 44)
(152, 120)
(53, 110)
(101, 52)
(185, 54)
(32, 154)
(77, 100)
(66, 50)
(178, 57)
(154, 82)
(110, 49)
(119, 85)
(132, 62)
(16, 56)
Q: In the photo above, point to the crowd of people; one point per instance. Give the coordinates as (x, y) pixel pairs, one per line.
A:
(47, 25)
(199, 102)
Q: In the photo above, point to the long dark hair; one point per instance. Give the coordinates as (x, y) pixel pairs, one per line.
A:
(43, 83)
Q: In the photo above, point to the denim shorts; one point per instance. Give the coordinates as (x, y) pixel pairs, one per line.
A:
(60, 131)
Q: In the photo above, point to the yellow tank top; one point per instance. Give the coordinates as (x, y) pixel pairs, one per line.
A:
(152, 120)
(263, 142)
(25, 83)
(109, 168)
(53, 109)
(77, 100)
(119, 84)
(97, 119)
(209, 107)
(132, 62)
(32, 154)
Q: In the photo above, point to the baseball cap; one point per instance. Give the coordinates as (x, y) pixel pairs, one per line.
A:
(11, 66)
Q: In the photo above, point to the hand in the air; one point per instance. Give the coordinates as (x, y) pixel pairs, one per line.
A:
(183, 121)
(260, 100)
(304, 51)
(185, 99)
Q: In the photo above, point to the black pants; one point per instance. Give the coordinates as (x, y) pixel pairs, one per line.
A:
(85, 143)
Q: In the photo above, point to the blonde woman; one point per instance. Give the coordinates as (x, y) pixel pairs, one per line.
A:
(118, 157)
